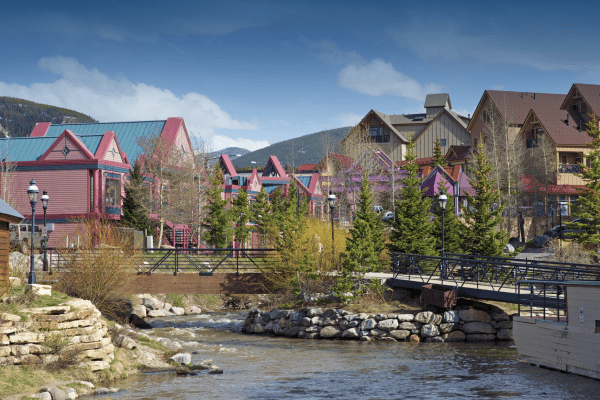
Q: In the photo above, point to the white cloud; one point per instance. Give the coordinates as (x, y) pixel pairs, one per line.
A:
(378, 78)
(349, 119)
(221, 142)
(117, 99)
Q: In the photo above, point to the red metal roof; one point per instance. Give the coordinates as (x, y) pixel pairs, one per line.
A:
(530, 184)
(307, 167)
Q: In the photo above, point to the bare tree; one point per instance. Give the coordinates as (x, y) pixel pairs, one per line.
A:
(543, 166)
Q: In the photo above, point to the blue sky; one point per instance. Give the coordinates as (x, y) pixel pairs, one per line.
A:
(255, 73)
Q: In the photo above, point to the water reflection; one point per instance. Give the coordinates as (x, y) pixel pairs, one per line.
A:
(263, 367)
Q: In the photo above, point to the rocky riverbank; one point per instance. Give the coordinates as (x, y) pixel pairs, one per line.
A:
(467, 324)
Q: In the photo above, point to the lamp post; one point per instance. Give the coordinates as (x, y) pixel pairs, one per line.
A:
(32, 192)
(560, 230)
(443, 199)
(45, 199)
(331, 201)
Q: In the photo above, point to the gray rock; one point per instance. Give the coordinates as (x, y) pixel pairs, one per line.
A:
(182, 358)
(399, 334)
(425, 317)
(277, 329)
(317, 321)
(103, 390)
(478, 327)
(157, 313)
(362, 316)
(140, 311)
(377, 333)
(314, 312)
(405, 317)
(454, 336)
(330, 332)
(193, 310)
(292, 331)
(480, 337)
(447, 327)
(409, 326)
(500, 316)
(504, 325)
(364, 333)
(269, 326)
(71, 393)
(387, 324)
(331, 321)
(306, 321)
(169, 344)
(214, 370)
(505, 334)
(296, 316)
(343, 324)
(152, 303)
(354, 323)
(43, 395)
(284, 313)
(258, 328)
(124, 341)
(351, 333)
(312, 329)
(274, 314)
(452, 317)
(350, 317)
(473, 315)
(429, 330)
(179, 311)
(386, 339)
(57, 393)
(283, 322)
(328, 313)
(365, 339)
(368, 324)
(434, 339)
(509, 248)
(167, 306)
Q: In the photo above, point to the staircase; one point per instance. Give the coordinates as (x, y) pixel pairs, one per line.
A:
(179, 236)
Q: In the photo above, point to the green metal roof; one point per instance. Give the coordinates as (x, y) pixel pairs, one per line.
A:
(305, 180)
(127, 133)
(31, 149)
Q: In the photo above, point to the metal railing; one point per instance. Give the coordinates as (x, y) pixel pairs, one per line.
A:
(491, 273)
(207, 261)
(542, 300)
(203, 261)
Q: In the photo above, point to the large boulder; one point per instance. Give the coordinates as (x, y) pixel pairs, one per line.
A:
(505, 334)
(454, 336)
(351, 333)
(330, 332)
(140, 311)
(429, 330)
(387, 324)
(472, 315)
(182, 358)
(368, 324)
(179, 311)
(427, 317)
(478, 327)
(452, 317)
(405, 317)
(152, 303)
(139, 322)
(399, 334)
(314, 312)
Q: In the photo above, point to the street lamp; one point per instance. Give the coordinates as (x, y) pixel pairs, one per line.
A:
(331, 201)
(32, 192)
(45, 199)
(561, 204)
(443, 199)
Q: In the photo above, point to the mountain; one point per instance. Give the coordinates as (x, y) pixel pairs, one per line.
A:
(18, 116)
(307, 149)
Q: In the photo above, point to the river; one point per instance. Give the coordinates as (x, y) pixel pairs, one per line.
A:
(264, 367)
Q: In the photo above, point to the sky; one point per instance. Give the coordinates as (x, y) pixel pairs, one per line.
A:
(253, 73)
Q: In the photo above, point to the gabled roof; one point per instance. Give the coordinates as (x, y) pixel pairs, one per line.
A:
(227, 166)
(590, 93)
(33, 148)
(554, 125)
(9, 213)
(514, 106)
(307, 167)
(457, 151)
(390, 125)
(345, 161)
(437, 100)
(449, 176)
(454, 115)
(274, 167)
(128, 133)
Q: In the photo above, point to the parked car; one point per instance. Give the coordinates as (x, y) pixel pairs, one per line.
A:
(20, 237)
(388, 217)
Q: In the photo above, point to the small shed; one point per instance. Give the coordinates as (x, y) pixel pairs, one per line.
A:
(7, 215)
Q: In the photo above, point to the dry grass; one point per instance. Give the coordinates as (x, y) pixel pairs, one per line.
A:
(568, 252)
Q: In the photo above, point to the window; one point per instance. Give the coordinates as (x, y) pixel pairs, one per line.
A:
(563, 158)
(475, 142)
(442, 142)
(182, 151)
(486, 116)
(379, 135)
(113, 192)
(317, 210)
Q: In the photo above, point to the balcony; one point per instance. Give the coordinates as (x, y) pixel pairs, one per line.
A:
(569, 168)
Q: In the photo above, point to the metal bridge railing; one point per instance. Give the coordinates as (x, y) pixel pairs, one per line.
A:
(542, 300)
(493, 273)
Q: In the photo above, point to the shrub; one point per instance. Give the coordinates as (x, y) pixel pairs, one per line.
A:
(100, 266)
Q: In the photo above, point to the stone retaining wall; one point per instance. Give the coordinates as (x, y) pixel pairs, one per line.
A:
(469, 325)
(76, 326)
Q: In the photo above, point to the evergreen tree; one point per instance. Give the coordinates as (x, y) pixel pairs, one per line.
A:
(134, 214)
(438, 156)
(588, 211)
(452, 236)
(411, 229)
(261, 214)
(479, 232)
(217, 224)
(364, 245)
(240, 213)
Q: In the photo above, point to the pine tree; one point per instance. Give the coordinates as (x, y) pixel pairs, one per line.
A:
(452, 237)
(364, 245)
(438, 156)
(134, 214)
(588, 211)
(240, 215)
(261, 214)
(217, 224)
(411, 229)
(479, 232)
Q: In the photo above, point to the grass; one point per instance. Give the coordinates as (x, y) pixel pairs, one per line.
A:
(176, 300)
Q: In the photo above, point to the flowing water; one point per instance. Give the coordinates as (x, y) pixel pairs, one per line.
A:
(264, 367)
